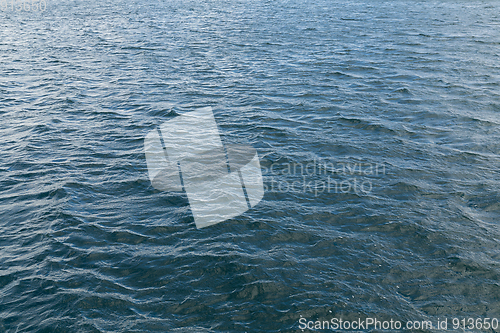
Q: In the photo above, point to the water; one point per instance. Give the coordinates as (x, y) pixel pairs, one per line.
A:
(400, 97)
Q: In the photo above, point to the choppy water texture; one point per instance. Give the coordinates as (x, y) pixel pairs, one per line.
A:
(88, 245)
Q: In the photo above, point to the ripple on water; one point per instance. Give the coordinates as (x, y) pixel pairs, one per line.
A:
(88, 245)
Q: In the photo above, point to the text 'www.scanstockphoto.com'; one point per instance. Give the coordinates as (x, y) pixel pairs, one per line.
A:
(391, 325)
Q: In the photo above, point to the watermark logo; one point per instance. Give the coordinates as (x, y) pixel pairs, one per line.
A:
(186, 154)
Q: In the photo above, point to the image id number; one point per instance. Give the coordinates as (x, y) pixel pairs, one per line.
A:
(23, 5)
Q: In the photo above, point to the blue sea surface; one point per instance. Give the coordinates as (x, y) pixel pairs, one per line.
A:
(377, 125)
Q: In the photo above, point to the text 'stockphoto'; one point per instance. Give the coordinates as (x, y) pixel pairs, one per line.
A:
(186, 154)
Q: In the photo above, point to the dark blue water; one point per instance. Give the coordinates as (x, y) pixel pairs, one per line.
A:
(400, 100)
